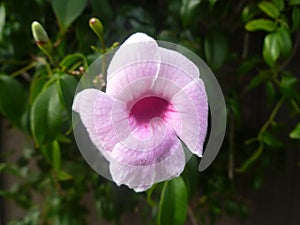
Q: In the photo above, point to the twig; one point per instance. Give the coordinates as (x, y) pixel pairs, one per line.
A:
(231, 149)
(246, 46)
(24, 69)
(57, 184)
(271, 118)
(259, 138)
(149, 196)
(192, 216)
(295, 105)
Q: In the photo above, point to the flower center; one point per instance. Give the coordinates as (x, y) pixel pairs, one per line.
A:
(148, 108)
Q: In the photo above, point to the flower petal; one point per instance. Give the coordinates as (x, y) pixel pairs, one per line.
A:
(136, 59)
(176, 71)
(84, 100)
(95, 108)
(191, 118)
(132, 82)
(141, 169)
(178, 60)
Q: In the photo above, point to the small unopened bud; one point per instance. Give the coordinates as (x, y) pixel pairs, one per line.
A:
(41, 38)
(99, 81)
(115, 45)
(96, 26)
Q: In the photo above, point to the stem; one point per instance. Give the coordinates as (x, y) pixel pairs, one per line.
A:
(296, 106)
(192, 216)
(246, 46)
(250, 141)
(231, 149)
(24, 69)
(252, 158)
(149, 194)
(260, 148)
(271, 118)
(57, 184)
(102, 42)
(103, 67)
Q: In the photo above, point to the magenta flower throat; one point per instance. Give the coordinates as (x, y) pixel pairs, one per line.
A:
(155, 103)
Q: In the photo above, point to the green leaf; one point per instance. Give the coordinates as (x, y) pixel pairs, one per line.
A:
(288, 85)
(56, 155)
(2, 20)
(258, 181)
(187, 11)
(270, 91)
(295, 133)
(173, 203)
(294, 2)
(256, 81)
(261, 24)
(12, 98)
(46, 151)
(248, 65)
(67, 11)
(270, 140)
(212, 3)
(248, 12)
(46, 115)
(295, 19)
(52, 154)
(36, 87)
(63, 176)
(102, 9)
(215, 48)
(231, 207)
(279, 4)
(68, 85)
(271, 49)
(270, 9)
(284, 41)
(73, 61)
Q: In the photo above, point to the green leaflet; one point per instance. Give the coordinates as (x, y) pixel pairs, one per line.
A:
(67, 11)
(173, 203)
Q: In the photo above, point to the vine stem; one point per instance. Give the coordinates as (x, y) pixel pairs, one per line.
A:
(57, 184)
(192, 216)
(271, 118)
(149, 196)
(296, 106)
(259, 137)
(24, 69)
(231, 149)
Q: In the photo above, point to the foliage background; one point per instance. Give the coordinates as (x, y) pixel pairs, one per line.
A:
(249, 45)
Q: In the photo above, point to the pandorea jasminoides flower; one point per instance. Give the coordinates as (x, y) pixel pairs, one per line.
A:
(154, 101)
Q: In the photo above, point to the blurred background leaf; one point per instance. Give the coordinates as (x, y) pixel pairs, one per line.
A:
(67, 11)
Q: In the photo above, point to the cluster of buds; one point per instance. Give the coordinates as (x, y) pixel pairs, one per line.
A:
(80, 71)
(99, 81)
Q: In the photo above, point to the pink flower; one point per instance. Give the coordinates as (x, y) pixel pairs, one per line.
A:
(154, 100)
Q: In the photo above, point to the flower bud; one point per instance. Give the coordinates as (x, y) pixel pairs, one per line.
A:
(115, 45)
(96, 26)
(41, 38)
